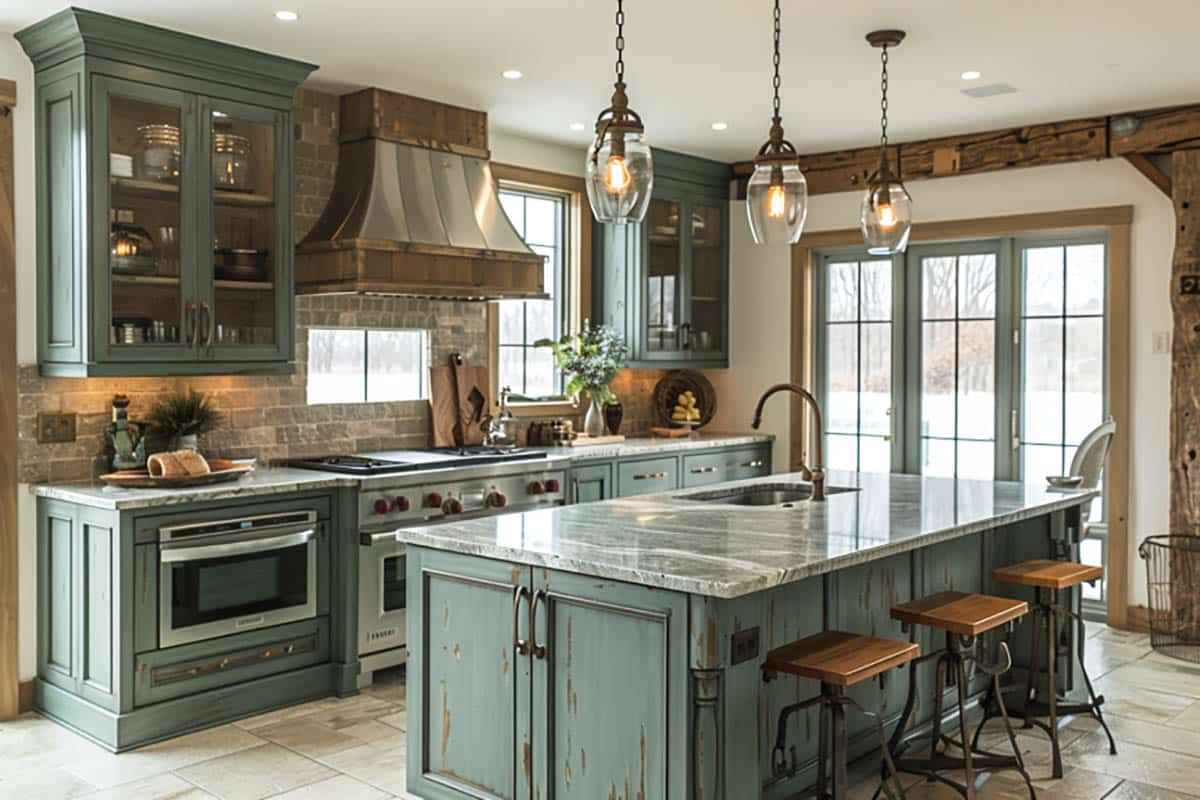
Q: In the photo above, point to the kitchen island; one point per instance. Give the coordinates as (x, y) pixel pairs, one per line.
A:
(614, 649)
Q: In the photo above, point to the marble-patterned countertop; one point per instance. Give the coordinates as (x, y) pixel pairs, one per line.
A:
(280, 480)
(666, 541)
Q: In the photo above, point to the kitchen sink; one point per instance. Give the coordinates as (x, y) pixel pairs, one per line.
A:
(781, 495)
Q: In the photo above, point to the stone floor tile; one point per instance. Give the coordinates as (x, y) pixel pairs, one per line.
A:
(352, 711)
(159, 787)
(1130, 790)
(384, 768)
(256, 773)
(307, 737)
(1148, 765)
(339, 787)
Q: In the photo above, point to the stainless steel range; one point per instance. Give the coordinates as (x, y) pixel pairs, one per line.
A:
(427, 487)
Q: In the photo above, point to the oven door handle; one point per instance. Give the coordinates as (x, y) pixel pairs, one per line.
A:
(373, 539)
(206, 551)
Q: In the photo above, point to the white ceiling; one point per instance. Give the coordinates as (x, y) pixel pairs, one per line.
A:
(692, 62)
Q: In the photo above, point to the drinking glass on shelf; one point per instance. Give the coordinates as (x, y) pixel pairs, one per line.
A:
(168, 241)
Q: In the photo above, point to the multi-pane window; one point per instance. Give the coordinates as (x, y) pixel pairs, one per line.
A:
(357, 365)
(858, 351)
(958, 363)
(540, 219)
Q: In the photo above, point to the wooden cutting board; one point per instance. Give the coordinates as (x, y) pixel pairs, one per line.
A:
(469, 381)
(443, 403)
(455, 417)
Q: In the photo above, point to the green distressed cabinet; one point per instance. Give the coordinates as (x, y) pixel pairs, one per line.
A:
(528, 682)
(591, 483)
(164, 211)
(664, 284)
(601, 479)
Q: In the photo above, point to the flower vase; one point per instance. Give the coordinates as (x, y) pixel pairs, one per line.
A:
(188, 441)
(593, 421)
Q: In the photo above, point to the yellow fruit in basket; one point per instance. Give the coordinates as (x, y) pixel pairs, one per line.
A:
(695, 415)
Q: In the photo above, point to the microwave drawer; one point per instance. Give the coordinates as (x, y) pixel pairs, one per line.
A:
(178, 671)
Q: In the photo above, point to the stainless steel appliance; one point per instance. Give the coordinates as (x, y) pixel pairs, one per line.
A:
(418, 460)
(228, 576)
(397, 501)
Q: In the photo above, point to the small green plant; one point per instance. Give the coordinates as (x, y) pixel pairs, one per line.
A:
(590, 360)
(184, 414)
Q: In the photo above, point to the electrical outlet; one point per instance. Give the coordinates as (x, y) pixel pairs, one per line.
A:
(1161, 343)
(744, 646)
(56, 428)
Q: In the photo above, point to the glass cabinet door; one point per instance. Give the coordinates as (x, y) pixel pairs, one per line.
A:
(148, 278)
(705, 318)
(663, 277)
(241, 320)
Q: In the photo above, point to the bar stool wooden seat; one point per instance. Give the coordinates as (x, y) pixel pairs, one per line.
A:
(837, 660)
(964, 617)
(1048, 578)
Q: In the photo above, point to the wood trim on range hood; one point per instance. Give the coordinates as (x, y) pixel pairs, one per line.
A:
(414, 209)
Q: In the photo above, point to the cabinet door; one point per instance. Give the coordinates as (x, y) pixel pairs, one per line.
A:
(468, 687)
(591, 483)
(609, 691)
(707, 289)
(144, 152)
(662, 278)
(246, 252)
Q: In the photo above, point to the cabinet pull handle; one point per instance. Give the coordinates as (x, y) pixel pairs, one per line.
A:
(521, 646)
(539, 650)
(753, 464)
(703, 470)
(210, 325)
(191, 325)
(645, 476)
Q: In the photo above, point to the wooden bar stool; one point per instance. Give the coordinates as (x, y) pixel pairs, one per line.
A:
(964, 617)
(837, 660)
(1048, 578)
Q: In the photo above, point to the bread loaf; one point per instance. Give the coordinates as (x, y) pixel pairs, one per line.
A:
(177, 464)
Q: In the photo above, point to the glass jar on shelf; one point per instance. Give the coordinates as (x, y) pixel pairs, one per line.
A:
(131, 248)
(156, 157)
(232, 159)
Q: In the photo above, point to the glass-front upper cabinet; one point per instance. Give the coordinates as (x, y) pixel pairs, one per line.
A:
(663, 276)
(247, 305)
(707, 295)
(150, 289)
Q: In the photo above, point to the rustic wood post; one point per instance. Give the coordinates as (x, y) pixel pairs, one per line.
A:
(1185, 349)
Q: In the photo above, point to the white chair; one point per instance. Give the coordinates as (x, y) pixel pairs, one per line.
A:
(1092, 454)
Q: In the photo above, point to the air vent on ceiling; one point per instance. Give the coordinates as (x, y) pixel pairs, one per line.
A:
(991, 90)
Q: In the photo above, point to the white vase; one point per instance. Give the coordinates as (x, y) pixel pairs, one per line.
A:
(188, 441)
(593, 421)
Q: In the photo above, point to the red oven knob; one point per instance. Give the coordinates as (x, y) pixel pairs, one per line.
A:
(552, 486)
(382, 506)
(452, 506)
(497, 500)
(433, 500)
(402, 504)
(537, 487)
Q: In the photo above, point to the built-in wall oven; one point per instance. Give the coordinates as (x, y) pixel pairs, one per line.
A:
(229, 576)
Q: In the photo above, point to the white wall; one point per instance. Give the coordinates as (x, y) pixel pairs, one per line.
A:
(760, 313)
(520, 151)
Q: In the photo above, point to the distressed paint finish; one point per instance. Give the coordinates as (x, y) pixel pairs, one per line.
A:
(610, 696)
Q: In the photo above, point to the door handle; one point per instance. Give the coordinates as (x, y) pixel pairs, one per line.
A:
(191, 325)
(519, 644)
(539, 650)
(209, 324)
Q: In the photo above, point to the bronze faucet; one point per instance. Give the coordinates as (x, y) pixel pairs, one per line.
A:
(816, 473)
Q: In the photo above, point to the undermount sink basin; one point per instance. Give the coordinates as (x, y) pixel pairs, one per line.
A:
(779, 495)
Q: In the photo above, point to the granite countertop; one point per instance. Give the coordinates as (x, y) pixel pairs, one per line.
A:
(280, 480)
(726, 551)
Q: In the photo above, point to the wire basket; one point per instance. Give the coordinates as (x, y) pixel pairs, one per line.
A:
(1173, 580)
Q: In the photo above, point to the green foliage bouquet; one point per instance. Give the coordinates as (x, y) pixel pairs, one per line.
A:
(589, 359)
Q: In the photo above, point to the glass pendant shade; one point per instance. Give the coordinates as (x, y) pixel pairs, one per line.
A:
(776, 203)
(886, 218)
(619, 186)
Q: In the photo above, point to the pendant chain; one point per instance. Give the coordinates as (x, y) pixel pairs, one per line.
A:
(620, 41)
(776, 81)
(883, 102)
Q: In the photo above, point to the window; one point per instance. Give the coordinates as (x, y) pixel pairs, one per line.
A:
(540, 217)
(357, 365)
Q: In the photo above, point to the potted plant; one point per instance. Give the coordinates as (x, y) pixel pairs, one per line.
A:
(590, 360)
(182, 416)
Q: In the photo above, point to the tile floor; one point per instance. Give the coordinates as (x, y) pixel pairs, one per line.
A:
(354, 749)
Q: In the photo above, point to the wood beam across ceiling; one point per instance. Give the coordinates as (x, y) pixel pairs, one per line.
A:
(1154, 132)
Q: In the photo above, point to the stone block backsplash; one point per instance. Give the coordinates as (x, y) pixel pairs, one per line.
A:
(268, 416)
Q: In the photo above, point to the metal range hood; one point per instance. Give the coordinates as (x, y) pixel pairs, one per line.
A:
(414, 209)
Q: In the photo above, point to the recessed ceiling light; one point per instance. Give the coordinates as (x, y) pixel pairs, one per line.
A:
(720, 126)
(513, 74)
(287, 16)
(972, 75)
(578, 126)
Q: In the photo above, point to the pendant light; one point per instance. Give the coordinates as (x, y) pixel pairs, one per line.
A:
(620, 168)
(886, 207)
(777, 194)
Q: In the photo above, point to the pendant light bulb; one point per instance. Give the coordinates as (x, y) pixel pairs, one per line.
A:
(886, 217)
(619, 167)
(777, 192)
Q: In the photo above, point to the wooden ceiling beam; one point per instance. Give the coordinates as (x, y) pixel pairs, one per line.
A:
(1158, 131)
(1147, 167)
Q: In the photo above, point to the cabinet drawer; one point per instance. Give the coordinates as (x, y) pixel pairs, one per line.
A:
(591, 483)
(647, 476)
(705, 468)
(164, 674)
(752, 462)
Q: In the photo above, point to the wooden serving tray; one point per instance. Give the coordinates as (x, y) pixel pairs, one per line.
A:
(223, 471)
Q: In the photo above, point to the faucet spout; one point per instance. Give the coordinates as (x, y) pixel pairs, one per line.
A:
(817, 469)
